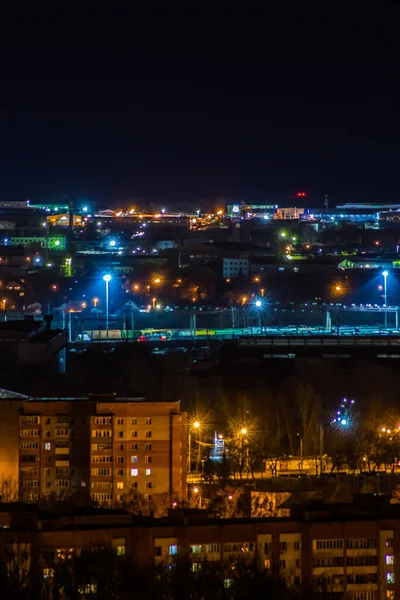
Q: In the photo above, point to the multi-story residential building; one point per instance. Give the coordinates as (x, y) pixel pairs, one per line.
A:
(119, 449)
(346, 550)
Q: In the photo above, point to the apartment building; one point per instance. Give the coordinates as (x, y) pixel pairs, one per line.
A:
(118, 449)
(349, 552)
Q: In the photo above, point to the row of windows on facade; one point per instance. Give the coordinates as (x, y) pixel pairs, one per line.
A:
(31, 483)
(62, 432)
(107, 472)
(325, 581)
(51, 555)
(67, 432)
(99, 458)
(35, 420)
(350, 544)
(121, 421)
(336, 561)
(120, 447)
(99, 497)
(351, 561)
(96, 447)
(34, 496)
(32, 471)
(99, 433)
(241, 547)
(47, 445)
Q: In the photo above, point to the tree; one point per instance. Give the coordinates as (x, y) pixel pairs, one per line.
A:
(8, 488)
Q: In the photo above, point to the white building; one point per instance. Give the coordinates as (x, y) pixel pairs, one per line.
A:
(234, 267)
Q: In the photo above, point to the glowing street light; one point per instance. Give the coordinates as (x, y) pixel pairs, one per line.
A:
(107, 278)
(243, 431)
(95, 302)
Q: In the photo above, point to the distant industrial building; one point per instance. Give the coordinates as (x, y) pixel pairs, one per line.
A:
(235, 267)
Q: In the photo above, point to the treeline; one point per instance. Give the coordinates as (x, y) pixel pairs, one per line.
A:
(104, 575)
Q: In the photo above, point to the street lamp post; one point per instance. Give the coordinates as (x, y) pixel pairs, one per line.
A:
(195, 425)
(107, 279)
(258, 306)
(385, 274)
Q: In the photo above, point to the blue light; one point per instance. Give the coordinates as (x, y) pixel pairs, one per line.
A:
(85, 209)
(343, 422)
(112, 243)
(107, 278)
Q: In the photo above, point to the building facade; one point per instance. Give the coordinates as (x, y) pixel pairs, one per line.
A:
(352, 556)
(118, 449)
(235, 267)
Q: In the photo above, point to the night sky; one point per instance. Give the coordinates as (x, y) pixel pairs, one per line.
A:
(173, 109)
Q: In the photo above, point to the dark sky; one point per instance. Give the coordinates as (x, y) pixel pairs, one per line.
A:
(198, 107)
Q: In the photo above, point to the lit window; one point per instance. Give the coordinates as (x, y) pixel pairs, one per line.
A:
(148, 471)
(134, 472)
(173, 550)
(47, 446)
(120, 550)
(134, 459)
(120, 485)
(389, 559)
(390, 577)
